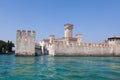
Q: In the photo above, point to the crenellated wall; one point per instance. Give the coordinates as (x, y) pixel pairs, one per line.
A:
(84, 49)
(25, 43)
(65, 46)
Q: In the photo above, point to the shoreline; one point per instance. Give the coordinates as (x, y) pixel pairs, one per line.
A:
(62, 55)
(6, 53)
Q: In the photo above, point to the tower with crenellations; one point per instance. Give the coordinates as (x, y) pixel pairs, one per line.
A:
(25, 43)
(73, 46)
(68, 30)
(65, 46)
(115, 41)
(79, 38)
(51, 38)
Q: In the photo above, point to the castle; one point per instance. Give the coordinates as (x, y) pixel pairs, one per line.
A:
(67, 46)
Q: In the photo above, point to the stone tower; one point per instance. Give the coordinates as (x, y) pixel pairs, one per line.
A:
(115, 42)
(79, 38)
(68, 30)
(51, 38)
(25, 43)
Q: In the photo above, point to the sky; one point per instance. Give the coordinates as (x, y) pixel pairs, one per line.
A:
(96, 20)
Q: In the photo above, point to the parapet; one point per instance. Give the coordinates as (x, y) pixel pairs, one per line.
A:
(68, 26)
(114, 38)
(18, 30)
(78, 35)
(29, 33)
(23, 30)
(52, 36)
(33, 31)
(25, 33)
(18, 33)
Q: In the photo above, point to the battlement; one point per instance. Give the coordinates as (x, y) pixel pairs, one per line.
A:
(68, 30)
(114, 38)
(18, 30)
(23, 30)
(25, 33)
(74, 44)
(29, 33)
(78, 35)
(25, 43)
(33, 32)
(52, 36)
(68, 26)
(83, 49)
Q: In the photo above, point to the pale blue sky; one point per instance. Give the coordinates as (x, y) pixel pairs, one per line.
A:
(95, 19)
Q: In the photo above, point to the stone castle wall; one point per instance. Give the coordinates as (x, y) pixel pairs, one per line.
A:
(65, 46)
(25, 43)
(73, 46)
(116, 48)
(84, 49)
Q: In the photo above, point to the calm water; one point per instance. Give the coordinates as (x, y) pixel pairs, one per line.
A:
(59, 68)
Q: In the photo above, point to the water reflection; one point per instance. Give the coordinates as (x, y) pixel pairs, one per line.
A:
(42, 66)
(6, 65)
(47, 67)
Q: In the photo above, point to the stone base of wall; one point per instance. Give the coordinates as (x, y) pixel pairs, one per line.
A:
(85, 55)
(24, 54)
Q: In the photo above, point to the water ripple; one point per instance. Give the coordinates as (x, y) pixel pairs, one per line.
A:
(59, 68)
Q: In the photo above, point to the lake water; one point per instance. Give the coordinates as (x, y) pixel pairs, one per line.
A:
(59, 68)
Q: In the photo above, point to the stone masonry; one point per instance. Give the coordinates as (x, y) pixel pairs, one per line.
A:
(25, 43)
(70, 46)
(65, 46)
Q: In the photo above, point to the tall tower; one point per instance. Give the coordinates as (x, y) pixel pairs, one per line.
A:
(68, 30)
(115, 42)
(25, 43)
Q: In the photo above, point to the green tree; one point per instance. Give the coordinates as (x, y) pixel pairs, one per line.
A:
(2, 46)
(6, 46)
(9, 46)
